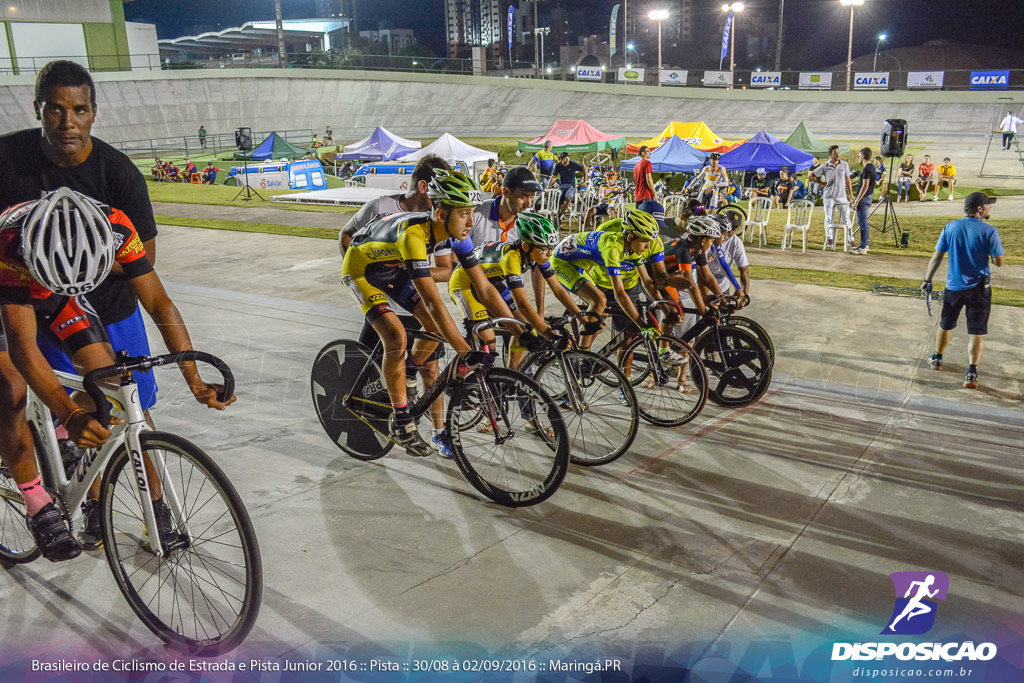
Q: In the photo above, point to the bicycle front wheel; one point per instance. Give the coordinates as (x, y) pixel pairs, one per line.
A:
(756, 329)
(203, 595)
(523, 459)
(17, 544)
(740, 367)
(597, 402)
(669, 378)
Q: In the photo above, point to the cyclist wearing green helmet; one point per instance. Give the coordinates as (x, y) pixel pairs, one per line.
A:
(369, 273)
(504, 264)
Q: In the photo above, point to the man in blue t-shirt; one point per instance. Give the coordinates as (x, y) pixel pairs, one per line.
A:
(971, 243)
(565, 174)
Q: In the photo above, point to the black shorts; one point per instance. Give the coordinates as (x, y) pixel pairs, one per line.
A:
(977, 300)
(395, 283)
(619, 321)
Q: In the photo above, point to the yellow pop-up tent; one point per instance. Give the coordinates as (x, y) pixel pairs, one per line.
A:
(694, 133)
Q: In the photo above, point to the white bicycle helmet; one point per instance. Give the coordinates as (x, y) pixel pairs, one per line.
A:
(67, 242)
(703, 226)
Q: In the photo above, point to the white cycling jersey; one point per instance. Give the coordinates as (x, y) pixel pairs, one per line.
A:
(710, 181)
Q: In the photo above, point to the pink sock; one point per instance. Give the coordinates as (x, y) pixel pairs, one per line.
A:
(36, 497)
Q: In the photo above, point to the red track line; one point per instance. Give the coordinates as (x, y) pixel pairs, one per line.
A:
(708, 429)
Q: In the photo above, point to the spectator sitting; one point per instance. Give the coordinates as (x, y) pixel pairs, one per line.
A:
(499, 178)
(190, 168)
(924, 178)
(784, 189)
(799, 189)
(733, 192)
(314, 143)
(159, 174)
(210, 173)
(882, 184)
(905, 178)
(173, 174)
(814, 190)
(487, 177)
(759, 185)
(947, 177)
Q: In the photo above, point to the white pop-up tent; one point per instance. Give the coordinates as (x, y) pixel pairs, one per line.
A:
(452, 150)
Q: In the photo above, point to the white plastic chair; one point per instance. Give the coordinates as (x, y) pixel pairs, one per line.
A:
(840, 219)
(549, 203)
(758, 211)
(674, 205)
(579, 207)
(798, 218)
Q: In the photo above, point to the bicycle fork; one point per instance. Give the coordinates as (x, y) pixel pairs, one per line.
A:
(170, 495)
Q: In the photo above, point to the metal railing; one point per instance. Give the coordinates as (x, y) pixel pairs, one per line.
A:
(216, 143)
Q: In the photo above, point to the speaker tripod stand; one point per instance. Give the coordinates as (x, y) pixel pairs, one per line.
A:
(900, 238)
(247, 189)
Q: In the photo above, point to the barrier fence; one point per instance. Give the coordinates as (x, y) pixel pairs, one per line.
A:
(898, 79)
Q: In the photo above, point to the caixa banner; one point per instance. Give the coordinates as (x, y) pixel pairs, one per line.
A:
(990, 80)
(589, 73)
(766, 79)
(871, 80)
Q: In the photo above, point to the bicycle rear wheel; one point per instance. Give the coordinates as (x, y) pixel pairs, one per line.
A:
(754, 328)
(603, 420)
(518, 463)
(740, 367)
(203, 596)
(669, 391)
(360, 426)
(17, 544)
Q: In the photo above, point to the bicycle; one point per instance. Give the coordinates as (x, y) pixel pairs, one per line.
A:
(667, 374)
(728, 317)
(199, 588)
(523, 459)
(598, 402)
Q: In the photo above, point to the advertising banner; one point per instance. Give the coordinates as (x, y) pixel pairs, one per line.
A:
(611, 29)
(632, 75)
(766, 79)
(990, 80)
(871, 80)
(812, 80)
(672, 77)
(511, 17)
(725, 39)
(925, 79)
(589, 73)
(718, 78)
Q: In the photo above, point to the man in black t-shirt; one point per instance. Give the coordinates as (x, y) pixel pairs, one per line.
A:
(759, 185)
(565, 173)
(784, 188)
(862, 204)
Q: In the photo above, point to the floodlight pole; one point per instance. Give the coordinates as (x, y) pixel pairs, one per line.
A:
(849, 51)
(282, 58)
(778, 41)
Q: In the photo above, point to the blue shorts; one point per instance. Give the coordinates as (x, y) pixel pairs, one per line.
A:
(568, 191)
(128, 335)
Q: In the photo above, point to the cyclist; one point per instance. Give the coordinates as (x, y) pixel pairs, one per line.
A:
(726, 250)
(504, 264)
(711, 180)
(370, 276)
(53, 251)
(687, 256)
(606, 208)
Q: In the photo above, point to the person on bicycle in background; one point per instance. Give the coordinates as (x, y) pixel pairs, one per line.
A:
(371, 278)
(504, 264)
(710, 181)
(601, 267)
(608, 190)
(52, 253)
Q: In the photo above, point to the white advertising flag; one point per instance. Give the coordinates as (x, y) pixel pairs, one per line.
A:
(718, 78)
(815, 80)
(671, 77)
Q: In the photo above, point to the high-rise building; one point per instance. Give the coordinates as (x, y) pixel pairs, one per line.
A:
(475, 23)
(678, 28)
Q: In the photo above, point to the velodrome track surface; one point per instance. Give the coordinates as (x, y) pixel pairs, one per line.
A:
(143, 105)
(779, 521)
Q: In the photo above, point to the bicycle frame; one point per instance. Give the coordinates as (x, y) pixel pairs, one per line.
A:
(72, 491)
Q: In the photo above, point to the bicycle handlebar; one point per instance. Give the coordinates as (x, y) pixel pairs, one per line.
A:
(493, 322)
(145, 364)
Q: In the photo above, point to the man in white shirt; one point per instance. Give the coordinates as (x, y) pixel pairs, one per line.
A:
(735, 254)
(834, 175)
(495, 219)
(1009, 129)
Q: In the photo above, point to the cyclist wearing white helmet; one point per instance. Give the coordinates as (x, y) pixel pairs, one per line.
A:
(710, 181)
(408, 238)
(52, 252)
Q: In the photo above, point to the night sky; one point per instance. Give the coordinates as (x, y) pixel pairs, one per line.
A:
(816, 30)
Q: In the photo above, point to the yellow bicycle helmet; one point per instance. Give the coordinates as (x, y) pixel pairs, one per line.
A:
(641, 224)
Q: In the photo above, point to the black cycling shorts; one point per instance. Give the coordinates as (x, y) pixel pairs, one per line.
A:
(619, 320)
(977, 301)
(395, 283)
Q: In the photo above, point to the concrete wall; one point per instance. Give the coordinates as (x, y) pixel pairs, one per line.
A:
(140, 105)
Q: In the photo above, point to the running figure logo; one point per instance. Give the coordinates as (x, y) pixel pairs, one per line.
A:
(914, 612)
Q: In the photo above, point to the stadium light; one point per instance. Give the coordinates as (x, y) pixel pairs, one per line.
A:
(849, 50)
(658, 15)
(874, 64)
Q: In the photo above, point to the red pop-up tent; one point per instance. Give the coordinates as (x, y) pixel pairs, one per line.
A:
(573, 136)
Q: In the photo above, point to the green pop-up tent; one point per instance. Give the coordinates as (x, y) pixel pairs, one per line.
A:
(272, 148)
(806, 141)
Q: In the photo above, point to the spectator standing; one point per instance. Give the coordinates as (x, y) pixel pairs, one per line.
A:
(1008, 128)
(971, 243)
(947, 177)
(202, 137)
(865, 195)
(543, 163)
(834, 177)
(643, 176)
(565, 173)
(328, 136)
(906, 176)
(924, 178)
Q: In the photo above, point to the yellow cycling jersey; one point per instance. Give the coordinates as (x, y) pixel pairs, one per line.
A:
(503, 264)
(400, 238)
(603, 253)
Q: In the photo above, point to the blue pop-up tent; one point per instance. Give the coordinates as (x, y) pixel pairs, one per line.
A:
(768, 152)
(672, 156)
(380, 145)
(272, 148)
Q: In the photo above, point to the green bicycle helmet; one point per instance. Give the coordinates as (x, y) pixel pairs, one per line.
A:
(454, 188)
(537, 230)
(641, 224)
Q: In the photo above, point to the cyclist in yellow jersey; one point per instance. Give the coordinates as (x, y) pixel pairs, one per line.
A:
(370, 277)
(504, 264)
